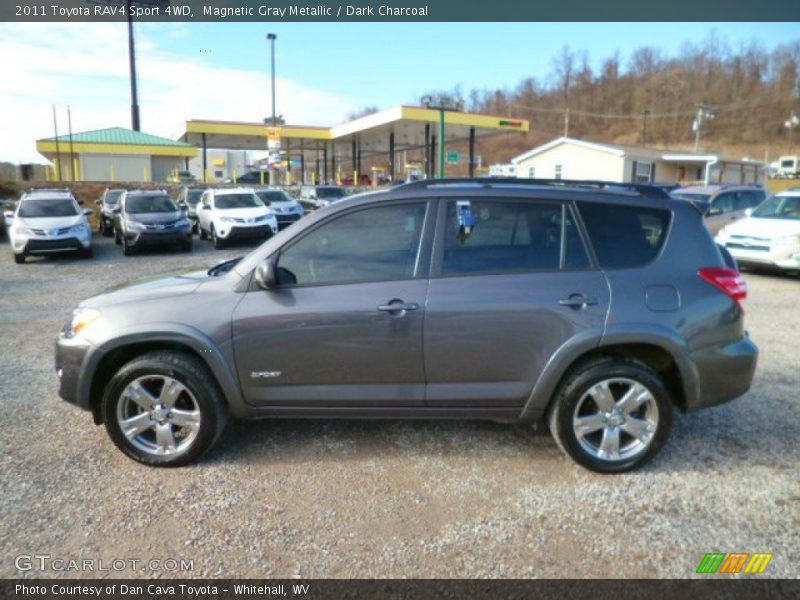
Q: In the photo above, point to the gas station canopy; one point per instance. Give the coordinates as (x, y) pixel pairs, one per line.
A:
(383, 133)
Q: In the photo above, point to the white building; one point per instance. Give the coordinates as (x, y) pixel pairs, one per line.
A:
(570, 158)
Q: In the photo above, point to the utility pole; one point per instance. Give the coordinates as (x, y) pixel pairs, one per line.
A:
(566, 122)
(135, 125)
(704, 113)
(645, 114)
(71, 147)
(58, 146)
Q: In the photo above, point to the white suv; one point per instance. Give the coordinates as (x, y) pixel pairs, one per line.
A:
(234, 213)
(770, 236)
(48, 222)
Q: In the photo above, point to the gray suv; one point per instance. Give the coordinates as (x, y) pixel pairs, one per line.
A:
(597, 309)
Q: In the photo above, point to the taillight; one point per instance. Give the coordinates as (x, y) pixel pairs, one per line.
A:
(727, 280)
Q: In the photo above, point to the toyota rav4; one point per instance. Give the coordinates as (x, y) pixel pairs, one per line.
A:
(598, 309)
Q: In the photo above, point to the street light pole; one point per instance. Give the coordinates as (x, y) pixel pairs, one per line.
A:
(442, 104)
(272, 37)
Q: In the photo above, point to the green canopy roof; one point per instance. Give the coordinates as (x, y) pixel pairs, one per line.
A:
(118, 135)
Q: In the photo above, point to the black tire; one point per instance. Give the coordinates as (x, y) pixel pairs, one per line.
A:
(578, 384)
(19, 258)
(127, 249)
(187, 246)
(218, 242)
(87, 252)
(197, 379)
(203, 234)
(117, 238)
(108, 229)
(195, 228)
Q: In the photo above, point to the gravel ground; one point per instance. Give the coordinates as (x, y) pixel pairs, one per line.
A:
(385, 499)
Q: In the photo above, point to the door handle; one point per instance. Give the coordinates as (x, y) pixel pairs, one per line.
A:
(398, 307)
(578, 301)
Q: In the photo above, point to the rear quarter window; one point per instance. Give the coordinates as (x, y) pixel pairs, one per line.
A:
(624, 236)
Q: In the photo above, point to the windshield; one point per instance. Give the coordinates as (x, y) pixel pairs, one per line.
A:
(693, 197)
(787, 163)
(150, 204)
(48, 207)
(330, 192)
(193, 196)
(238, 201)
(779, 207)
(112, 198)
(270, 196)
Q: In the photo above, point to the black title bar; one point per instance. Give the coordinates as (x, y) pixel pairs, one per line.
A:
(66, 11)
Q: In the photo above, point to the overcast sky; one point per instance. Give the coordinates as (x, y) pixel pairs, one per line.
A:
(220, 71)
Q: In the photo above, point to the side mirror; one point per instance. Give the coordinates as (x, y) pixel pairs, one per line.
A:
(748, 212)
(116, 210)
(713, 212)
(9, 215)
(88, 211)
(206, 207)
(183, 206)
(266, 275)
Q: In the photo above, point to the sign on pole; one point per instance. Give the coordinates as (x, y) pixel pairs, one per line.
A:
(453, 158)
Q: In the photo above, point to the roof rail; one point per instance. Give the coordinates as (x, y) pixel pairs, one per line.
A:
(33, 189)
(641, 189)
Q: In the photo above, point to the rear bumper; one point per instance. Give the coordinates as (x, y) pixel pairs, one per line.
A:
(724, 372)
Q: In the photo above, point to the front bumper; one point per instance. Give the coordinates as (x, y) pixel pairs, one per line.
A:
(72, 356)
(237, 232)
(724, 372)
(159, 238)
(777, 258)
(284, 220)
(54, 245)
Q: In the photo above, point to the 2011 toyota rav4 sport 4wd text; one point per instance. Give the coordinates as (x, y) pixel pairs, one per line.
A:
(599, 308)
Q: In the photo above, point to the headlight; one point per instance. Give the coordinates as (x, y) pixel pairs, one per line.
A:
(78, 228)
(81, 319)
(134, 225)
(22, 231)
(787, 240)
(182, 223)
(227, 219)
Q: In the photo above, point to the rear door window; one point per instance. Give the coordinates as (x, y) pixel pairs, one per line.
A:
(507, 236)
(624, 236)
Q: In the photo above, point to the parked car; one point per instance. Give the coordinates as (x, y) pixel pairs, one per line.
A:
(181, 177)
(6, 205)
(600, 312)
(189, 196)
(287, 210)
(251, 177)
(146, 218)
(322, 195)
(48, 222)
(722, 204)
(106, 205)
(788, 167)
(234, 213)
(770, 236)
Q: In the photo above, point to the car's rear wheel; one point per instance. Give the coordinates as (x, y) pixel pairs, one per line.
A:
(108, 229)
(164, 409)
(203, 234)
(117, 237)
(612, 415)
(19, 258)
(127, 249)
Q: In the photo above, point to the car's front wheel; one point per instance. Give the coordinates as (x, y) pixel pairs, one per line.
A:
(611, 415)
(164, 409)
(218, 241)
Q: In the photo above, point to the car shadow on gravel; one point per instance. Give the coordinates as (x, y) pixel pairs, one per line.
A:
(314, 440)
